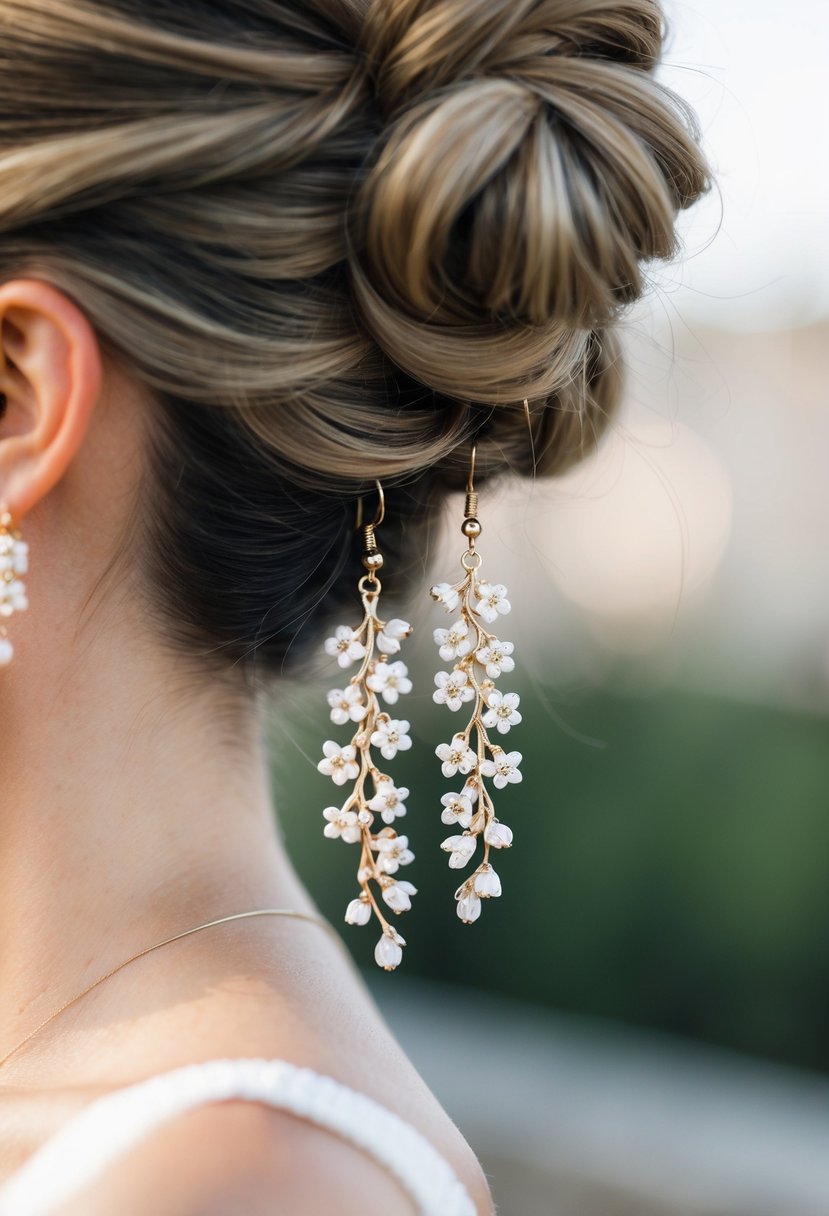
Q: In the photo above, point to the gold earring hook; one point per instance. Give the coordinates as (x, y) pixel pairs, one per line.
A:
(530, 429)
(372, 558)
(381, 510)
(471, 527)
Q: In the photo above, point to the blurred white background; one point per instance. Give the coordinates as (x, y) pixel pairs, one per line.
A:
(756, 72)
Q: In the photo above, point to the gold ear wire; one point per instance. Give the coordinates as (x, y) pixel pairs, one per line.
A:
(530, 429)
(470, 489)
(471, 526)
(381, 510)
(372, 558)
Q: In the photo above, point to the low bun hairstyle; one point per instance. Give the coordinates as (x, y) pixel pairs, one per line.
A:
(336, 240)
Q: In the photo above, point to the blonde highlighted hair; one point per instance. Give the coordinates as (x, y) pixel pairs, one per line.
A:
(336, 239)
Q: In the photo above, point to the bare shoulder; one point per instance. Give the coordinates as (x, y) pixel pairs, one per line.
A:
(239, 1156)
(291, 996)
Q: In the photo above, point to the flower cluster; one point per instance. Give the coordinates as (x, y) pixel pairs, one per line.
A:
(14, 561)
(478, 658)
(379, 678)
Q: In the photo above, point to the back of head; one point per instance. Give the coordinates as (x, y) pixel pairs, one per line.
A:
(336, 240)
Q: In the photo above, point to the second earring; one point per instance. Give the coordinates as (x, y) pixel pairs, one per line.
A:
(479, 657)
(371, 645)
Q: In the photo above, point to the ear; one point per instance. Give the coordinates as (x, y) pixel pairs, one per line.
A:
(50, 374)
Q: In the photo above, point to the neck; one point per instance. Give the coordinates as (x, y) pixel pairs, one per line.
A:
(134, 805)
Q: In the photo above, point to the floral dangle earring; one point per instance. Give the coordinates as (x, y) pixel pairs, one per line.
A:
(14, 561)
(480, 658)
(381, 853)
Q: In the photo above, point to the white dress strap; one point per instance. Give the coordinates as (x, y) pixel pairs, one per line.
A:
(109, 1126)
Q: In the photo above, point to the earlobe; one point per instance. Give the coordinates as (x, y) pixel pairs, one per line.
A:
(50, 374)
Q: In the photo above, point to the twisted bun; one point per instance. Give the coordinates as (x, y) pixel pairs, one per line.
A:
(335, 240)
(530, 163)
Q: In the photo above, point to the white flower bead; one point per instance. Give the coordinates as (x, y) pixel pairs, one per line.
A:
(13, 555)
(498, 835)
(390, 680)
(341, 823)
(492, 602)
(454, 642)
(392, 851)
(503, 710)
(339, 763)
(345, 645)
(469, 908)
(398, 895)
(388, 800)
(457, 808)
(470, 788)
(445, 593)
(347, 704)
(391, 736)
(12, 597)
(453, 688)
(487, 883)
(496, 657)
(457, 756)
(6, 652)
(387, 954)
(503, 768)
(391, 635)
(460, 849)
(358, 912)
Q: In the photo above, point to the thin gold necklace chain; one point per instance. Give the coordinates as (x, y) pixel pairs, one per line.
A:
(147, 949)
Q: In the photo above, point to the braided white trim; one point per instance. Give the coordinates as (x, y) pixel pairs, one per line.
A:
(114, 1123)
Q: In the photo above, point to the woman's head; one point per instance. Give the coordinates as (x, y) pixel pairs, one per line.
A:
(332, 241)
